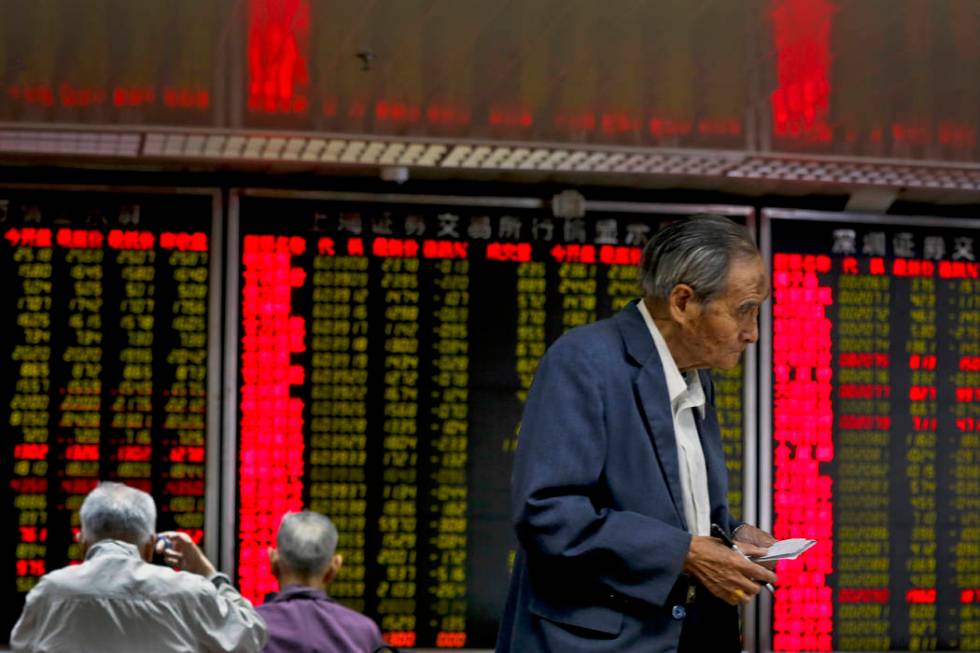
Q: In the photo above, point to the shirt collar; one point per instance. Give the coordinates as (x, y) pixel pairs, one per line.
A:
(113, 548)
(290, 592)
(678, 384)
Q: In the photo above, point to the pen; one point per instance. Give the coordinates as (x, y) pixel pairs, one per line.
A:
(722, 534)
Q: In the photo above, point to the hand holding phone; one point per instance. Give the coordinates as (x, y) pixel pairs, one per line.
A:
(183, 554)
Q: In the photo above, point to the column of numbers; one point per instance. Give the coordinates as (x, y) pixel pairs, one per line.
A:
(728, 407)
(131, 405)
(920, 471)
(79, 411)
(622, 286)
(396, 591)
(338, 427)
(531, 336)
(186, 406)
(449, 431)
(577, 289)
(964, 458)
(30, 416)
(863, 467)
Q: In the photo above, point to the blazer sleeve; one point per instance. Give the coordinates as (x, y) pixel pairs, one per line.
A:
(560, 518)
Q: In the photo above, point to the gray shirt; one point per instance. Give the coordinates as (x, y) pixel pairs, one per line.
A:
(115, 601)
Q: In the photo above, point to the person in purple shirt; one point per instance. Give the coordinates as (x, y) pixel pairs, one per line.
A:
(301, 617)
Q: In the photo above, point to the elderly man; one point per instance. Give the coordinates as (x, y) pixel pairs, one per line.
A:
(620, 473)
(117, 601)
(301, 616)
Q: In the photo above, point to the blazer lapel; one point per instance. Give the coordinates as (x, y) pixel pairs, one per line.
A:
(714, 457)
(650, 387)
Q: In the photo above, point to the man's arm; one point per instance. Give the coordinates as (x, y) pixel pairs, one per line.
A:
(225, 620)
(559, 463)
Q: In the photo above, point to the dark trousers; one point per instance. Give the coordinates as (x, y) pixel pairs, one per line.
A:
(711, 626)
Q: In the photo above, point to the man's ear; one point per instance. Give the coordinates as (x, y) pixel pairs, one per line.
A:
(83, 543)
(331, 573)
(273, 561)
(681, 303)
(146, 551)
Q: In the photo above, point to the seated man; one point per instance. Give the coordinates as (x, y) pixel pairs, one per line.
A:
(301, 617)
(117, 601)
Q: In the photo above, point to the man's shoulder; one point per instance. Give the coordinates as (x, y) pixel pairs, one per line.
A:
(337, 613)
(607, 328)
(57, 582)
(64, 574)
(596, 340)
(82, 577)
(354, 617)
(359, 625)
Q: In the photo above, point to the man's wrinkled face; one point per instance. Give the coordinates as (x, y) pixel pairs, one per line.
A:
(729, 323)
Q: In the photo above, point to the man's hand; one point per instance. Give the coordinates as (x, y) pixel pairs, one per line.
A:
(751, 535)
(185, 555)
(754, 542)
(726, 573)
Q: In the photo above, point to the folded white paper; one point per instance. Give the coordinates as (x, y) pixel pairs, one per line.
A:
(786, 550)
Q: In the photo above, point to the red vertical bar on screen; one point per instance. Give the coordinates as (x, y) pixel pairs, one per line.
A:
(802, 441)
(271, 430)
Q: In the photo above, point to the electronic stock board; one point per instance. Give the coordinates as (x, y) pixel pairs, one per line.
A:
(386, 347)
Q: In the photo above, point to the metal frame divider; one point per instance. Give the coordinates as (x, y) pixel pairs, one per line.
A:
(229, 395)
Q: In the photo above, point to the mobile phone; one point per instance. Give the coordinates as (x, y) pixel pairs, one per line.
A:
(158, 551)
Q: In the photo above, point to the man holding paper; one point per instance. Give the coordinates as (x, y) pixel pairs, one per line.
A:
(620, 472)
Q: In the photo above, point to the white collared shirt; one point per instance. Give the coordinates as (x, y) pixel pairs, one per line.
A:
(685, 394)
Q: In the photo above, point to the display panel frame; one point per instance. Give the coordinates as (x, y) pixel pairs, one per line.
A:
(768, 216)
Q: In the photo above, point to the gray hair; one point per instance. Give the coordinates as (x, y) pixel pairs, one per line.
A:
(118, 512)
(695, 251)
(307, 541)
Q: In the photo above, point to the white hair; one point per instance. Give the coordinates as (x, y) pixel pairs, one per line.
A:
(307, 541)
(118, 512)
(695, 251)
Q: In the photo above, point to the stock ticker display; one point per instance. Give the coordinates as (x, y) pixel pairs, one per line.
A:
(876, 433)
(386, 351)
(103, 343)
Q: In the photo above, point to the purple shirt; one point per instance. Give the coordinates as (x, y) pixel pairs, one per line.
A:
(306, 620)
